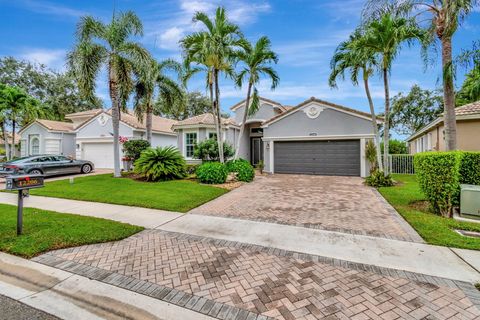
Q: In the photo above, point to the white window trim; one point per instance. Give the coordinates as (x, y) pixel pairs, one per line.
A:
(30, 145)
(184, 133)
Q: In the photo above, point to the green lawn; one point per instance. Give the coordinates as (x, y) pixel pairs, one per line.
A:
(176, 195)
(433, 228)
(47, 230)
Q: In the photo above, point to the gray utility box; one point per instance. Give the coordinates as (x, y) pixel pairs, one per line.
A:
(470, 199)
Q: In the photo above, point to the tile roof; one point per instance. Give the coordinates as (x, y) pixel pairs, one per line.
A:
(471, 108)
(84, 113)
(206, 118)
(261, 98)
(56, 125)
(9, 138)
(159, 124)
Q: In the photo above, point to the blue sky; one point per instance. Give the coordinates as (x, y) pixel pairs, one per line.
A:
(303, 32)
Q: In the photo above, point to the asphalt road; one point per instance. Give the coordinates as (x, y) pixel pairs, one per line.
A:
(13, 310)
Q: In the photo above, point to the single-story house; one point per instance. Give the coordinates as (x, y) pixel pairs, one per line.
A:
(88, 135)
(9, 141)
(432, 136)
(314, 137)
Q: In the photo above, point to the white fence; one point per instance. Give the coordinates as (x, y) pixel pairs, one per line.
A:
(401, 163)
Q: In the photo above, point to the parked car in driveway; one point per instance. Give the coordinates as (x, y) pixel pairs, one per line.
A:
(48, 165)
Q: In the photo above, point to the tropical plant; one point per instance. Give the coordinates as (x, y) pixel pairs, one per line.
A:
(371, 155)
(212, 173)
(256, 63)
(132, 149)
(414, 110)
(470, 90)
(207, 150)
(243, 169)
(161, 163)
(379, 179)
(396, 146)
(193, 104)
(385, 37)
(148, 79)
(356, 58)
(109, 45)
(214, 50)
(443, 19)
(17, 107)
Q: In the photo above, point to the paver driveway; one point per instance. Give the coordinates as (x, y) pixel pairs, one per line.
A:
(227, 279)
(326, 202)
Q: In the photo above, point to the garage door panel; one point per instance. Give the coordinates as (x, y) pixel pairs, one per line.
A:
(101, 154)
(336, 157)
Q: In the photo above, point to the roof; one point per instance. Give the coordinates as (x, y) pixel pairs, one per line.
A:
(87, 113)
(261, 98)
(56, 125)
(313, 99)
(159, 124)
(468, 111)
(9, 138)
(206, 119)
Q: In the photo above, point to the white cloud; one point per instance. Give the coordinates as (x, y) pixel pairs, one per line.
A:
(170, 38)
(45, 7)
(52, 58)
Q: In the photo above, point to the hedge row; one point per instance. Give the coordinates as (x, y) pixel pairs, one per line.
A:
(440, 174)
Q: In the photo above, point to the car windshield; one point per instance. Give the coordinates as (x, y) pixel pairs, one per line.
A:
(19, 160)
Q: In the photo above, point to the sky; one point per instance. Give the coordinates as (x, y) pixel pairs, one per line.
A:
(304, 34)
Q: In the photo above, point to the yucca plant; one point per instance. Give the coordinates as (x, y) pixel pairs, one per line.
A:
(161, 164)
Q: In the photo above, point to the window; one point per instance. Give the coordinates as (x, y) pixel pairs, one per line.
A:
(190, 141)
(35, 146)
(212, 135)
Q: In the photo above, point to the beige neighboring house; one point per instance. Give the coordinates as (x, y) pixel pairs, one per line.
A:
(9, 138)
(432, 136)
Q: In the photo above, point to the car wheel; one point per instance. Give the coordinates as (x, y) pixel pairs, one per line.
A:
(86, 168)
(35, 171)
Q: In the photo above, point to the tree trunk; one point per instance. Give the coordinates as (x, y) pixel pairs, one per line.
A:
(374, 121)
(214, 113)
(148, 122)
(219, 118)
(12, 145)
(114, 96)
(448, 95)
(386, 137)
(245, 115)
(5, 139)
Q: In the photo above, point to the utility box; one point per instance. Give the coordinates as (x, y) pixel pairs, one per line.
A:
(470, 199)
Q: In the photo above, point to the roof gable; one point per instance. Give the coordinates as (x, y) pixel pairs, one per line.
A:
(52, 125)
(265, 100)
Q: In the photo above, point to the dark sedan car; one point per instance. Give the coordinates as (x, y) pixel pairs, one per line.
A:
(47, 165)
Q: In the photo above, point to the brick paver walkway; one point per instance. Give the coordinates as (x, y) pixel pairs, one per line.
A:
(271, 282)
(332, 203)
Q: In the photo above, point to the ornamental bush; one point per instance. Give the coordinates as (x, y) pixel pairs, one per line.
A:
(132, 149)
(212, 173)
(243, 168)
(161, 164)
(378, 179)
(470, 168)
(207, 150)
(438, 174)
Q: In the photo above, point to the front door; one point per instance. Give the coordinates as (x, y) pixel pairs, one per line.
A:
(256, 150)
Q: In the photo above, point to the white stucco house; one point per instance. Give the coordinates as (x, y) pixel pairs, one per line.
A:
(89, 135)
(314, 137)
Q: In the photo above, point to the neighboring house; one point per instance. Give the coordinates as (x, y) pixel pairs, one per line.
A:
(9, 140)
(432, 136)
(314, 137)
(89, 135)
(193, 130)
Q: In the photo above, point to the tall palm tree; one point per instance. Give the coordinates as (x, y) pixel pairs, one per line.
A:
(350, 56)
(215, 49)
(3, 119)
(385, 37)
(110, 46)
(148, 80)
(443, 18)
(256, 60)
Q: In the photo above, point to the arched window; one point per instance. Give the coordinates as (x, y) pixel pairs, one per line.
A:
(35, 146)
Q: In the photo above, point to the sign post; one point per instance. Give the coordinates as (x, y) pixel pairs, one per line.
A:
(22, 184)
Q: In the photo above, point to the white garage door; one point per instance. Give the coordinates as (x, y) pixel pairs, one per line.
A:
(101, 154)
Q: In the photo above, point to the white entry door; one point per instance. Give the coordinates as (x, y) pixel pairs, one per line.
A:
(101, 154)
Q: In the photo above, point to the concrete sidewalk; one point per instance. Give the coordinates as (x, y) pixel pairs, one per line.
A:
(456, 264)
(72, 297)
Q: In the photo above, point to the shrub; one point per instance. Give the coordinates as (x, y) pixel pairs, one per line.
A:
(192, 168)
(371, 155)
(161, 164)
(212, 173)
(438, 174)
(207, 150)
(132, 149)
(243, 168)
(378, 179)
(470, 168)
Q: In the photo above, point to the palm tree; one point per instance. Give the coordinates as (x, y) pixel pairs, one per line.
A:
(3, 119)
(148, 79)
(214, 49)
(256, 60)
(443, 17)
(385, 37)
(351, 56)
(109, 45)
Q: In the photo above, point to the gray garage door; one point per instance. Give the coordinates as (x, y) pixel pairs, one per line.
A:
(335, 157)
